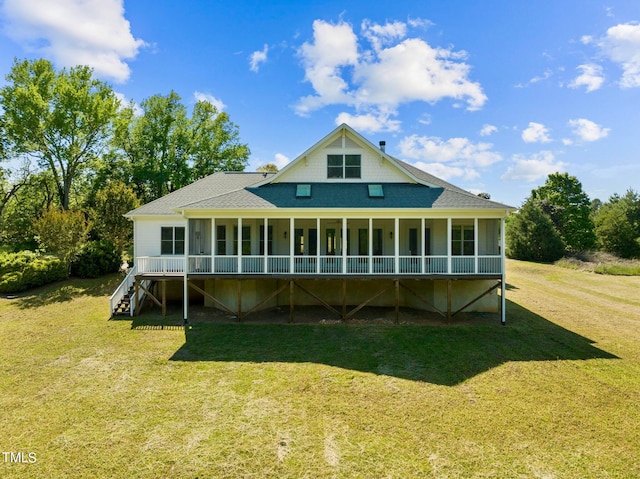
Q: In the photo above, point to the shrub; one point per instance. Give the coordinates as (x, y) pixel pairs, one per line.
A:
(26, 269)
(96, 258)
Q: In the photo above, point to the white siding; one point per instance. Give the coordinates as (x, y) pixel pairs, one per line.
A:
(147, 234)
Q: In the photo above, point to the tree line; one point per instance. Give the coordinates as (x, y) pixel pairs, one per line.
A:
(559, 219)
(71, 152)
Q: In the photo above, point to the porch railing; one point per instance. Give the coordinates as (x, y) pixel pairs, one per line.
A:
(356, 265)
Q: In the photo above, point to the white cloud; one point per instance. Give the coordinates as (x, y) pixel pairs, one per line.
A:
(586, 39)
(372, 122)
(536, 132)
(75, 32)
(281, 160)
(545, 76)
(533, 168)
(448, 158)
(591, 77)
(208, 97)
(258, 57)
(621, 44)
(488, 130)
(587, 130)
(396, 70)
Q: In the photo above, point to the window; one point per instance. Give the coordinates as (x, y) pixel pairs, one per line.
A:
(462, 243)
(221, 239)
(172, 240)
(269, 240)
(343, 166)
(246, 240)
(363, 241)
(298, 242)
(303, 191)
(377, 242)
(331, 241)
(413, 241)
(376, 191)
(313, 241)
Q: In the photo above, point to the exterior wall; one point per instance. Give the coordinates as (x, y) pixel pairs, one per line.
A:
(147, 234)
(463, 291)
(373, 169)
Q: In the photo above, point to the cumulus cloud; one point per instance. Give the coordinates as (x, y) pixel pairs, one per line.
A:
(75, 32)
(621, 44)
(258, 57)
(591, 77)
(209, 98)
(488, 130)
(281, 160)
(532, 168)
(394, 71)
(587, 130)
(448, 158)
(369, 122)
(536, 133)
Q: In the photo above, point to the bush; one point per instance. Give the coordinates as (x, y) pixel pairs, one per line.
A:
(96, 258)
(26, 269)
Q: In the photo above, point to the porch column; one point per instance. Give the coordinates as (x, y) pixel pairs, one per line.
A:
(185, 279)
(396, 245)
(344, 245)
(318, 245)
(422, 251)
(449, 270)
(475, 245)
(213, 245)
(503, 311)
(370, 259)
(292, 226)
(239, 240)
(265, 242)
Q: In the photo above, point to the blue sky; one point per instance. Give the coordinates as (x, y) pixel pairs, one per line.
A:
(489, 95)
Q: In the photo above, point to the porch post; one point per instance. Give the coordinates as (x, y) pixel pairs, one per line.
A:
(370, 259)
(449, 270)
(422, 252)
(239, 240)
(318, 245)
(396, 245)
(475, 245)
(344, 245)
(213, 245)
(503, 286)
(292, 226)
(265, 243)
(185, 278)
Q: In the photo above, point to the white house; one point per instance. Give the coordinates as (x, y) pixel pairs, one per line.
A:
(344, 225)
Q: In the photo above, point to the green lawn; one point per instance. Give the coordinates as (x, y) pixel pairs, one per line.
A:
(554, 394)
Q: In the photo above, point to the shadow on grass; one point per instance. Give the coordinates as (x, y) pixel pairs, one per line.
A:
(445, 354)
(67, 290)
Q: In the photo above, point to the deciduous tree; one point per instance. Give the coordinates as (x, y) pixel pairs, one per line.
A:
(532, 236)
(617, 225)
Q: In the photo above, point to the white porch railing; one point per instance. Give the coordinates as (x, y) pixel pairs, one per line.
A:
(356, 265)
(122, 289)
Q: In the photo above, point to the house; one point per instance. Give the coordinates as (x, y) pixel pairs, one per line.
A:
(344, 225)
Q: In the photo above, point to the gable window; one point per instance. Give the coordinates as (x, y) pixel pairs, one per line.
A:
(462, 243)
(344, 166)
(172, 240)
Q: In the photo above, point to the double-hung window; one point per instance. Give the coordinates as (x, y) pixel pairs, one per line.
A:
(462, 242)
(343, 166)
(172, 240)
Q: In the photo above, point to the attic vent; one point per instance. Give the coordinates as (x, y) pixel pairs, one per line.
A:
(376, 191)
(303, 191)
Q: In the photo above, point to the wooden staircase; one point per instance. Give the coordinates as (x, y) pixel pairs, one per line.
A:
(123, 308)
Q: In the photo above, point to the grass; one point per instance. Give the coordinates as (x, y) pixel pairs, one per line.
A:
(601, 263)
(554, 394)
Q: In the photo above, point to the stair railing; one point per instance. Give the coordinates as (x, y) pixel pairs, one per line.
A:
(122, 289)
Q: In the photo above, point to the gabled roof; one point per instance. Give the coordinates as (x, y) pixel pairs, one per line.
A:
(240, 190)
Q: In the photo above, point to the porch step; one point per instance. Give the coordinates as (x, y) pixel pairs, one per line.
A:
(123, 308)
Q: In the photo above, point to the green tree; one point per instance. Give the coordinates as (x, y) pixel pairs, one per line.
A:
(62, 233)
(268, 168)
(569, 207)
(166, 150)
(532, 236)
(61, 118)
(110, 204)
(617, 225)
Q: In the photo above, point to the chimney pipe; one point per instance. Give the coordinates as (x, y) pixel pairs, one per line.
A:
(383, 144)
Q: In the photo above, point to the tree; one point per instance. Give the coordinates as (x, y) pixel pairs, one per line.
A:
(62, 233)
(268, 168)
(569, 207)
(111, 203)
(166, 150)
(61, 118)
(532, 236)
(617, 225)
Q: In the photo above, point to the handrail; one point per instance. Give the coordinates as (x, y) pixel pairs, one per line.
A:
(122, 288)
